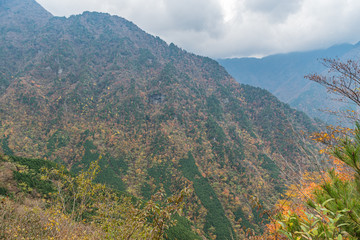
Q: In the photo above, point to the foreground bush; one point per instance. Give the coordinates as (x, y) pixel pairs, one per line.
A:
(74, 207)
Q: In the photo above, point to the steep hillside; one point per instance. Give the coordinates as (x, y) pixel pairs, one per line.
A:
(283, 75)
(96, 85)
(42, 200)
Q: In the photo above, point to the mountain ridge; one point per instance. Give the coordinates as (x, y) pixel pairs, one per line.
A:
(96, 85)
(283, 75)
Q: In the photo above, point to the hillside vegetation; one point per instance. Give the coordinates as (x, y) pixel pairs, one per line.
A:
(91, 85)
(41, 200)
(325, 204)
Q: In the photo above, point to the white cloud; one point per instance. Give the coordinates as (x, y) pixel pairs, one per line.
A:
(275, 10)
(225, 28)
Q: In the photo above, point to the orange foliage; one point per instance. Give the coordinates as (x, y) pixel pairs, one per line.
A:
(331, 136)
(295, 198)
(226, 192)
(342, 170)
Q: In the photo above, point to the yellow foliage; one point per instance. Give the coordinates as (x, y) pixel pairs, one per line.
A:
(82, 209)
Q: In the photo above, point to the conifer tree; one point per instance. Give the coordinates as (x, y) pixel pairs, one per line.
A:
(335, 208)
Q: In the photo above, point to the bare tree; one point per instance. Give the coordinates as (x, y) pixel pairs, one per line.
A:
(343, 78)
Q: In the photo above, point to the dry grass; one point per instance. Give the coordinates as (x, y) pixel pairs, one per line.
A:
(30, 220)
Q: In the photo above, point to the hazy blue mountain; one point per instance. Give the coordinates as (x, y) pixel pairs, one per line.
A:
(283, 75)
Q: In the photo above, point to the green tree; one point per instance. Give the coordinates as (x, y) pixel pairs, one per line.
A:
(335, 212)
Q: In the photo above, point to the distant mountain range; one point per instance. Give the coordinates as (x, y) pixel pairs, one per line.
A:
(283, 75)
(74, 89)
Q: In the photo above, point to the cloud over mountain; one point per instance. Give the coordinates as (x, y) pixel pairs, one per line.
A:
(233, 27)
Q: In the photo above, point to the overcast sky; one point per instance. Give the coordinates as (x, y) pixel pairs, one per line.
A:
(233, 28)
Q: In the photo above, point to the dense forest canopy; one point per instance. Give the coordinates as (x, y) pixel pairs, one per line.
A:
(95, 87)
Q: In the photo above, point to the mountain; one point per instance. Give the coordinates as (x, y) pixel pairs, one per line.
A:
(93, 86)
(22, 13)
(20, 19)
(283, 75)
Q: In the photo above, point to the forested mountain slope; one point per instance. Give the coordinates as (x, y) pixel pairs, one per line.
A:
(74, 89)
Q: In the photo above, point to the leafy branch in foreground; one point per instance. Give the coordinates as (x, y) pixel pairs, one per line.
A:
(299, 214)
(334, 208)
